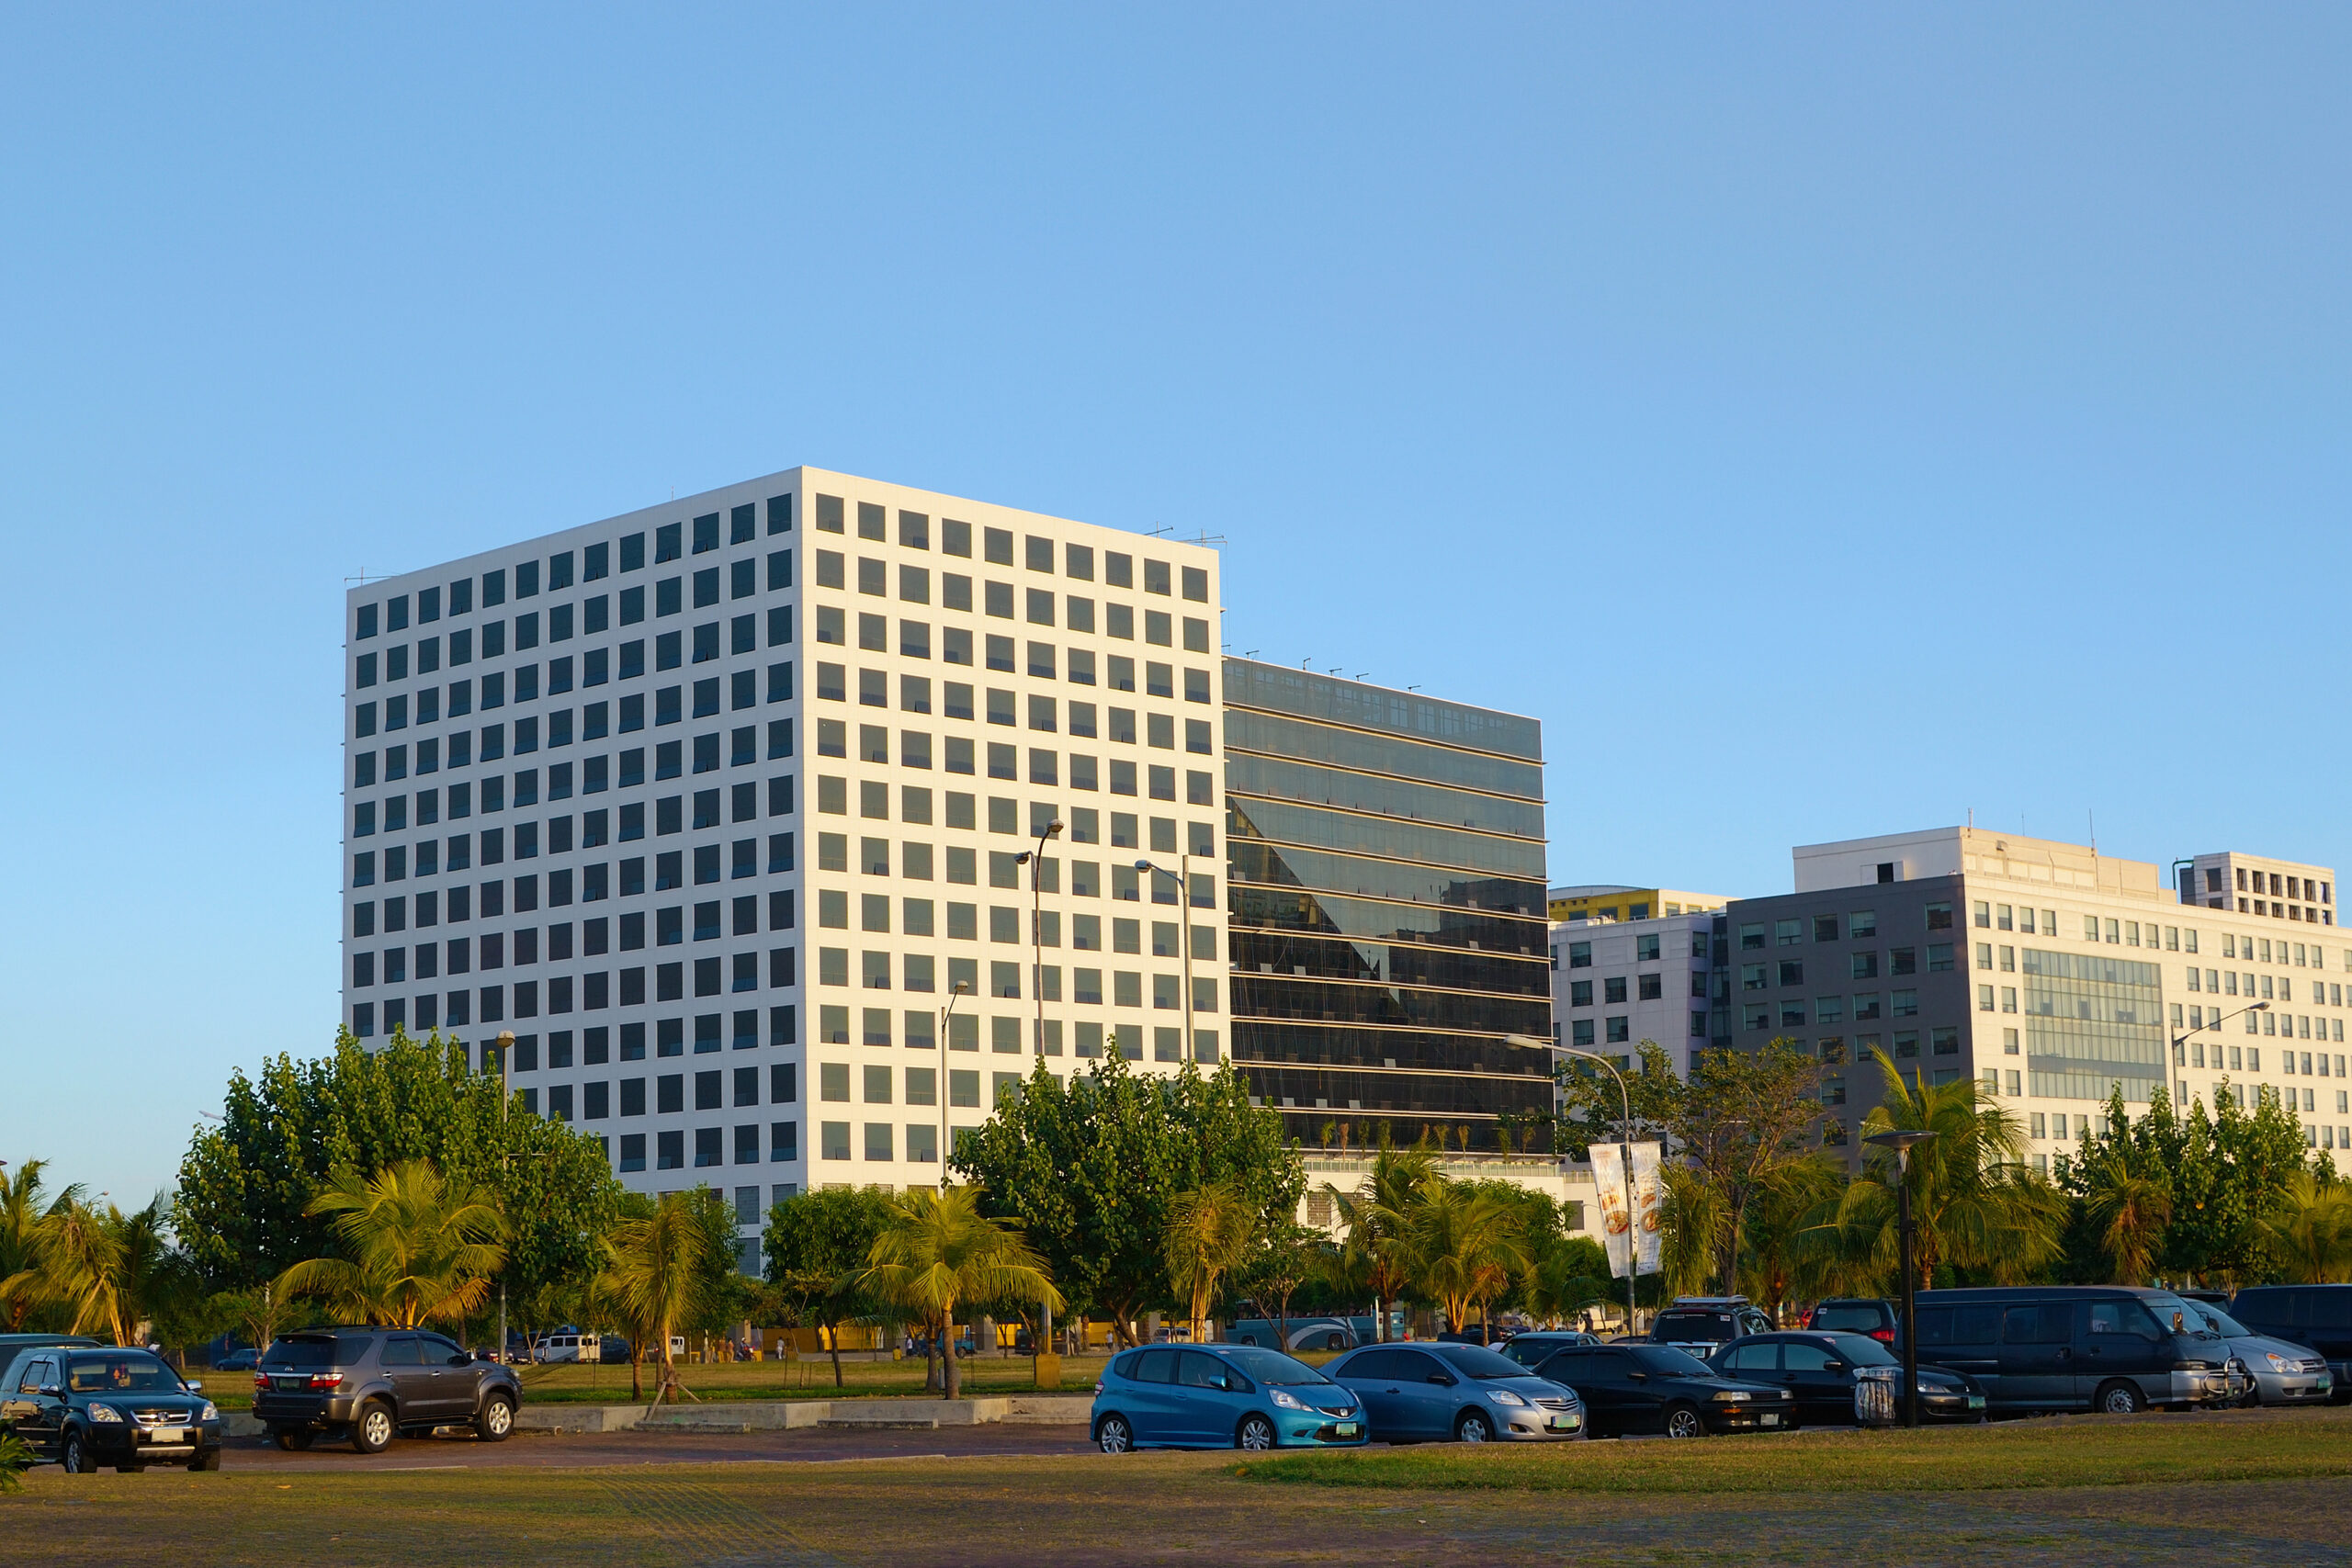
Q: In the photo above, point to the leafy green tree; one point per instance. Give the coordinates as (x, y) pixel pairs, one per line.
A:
(245, 1184)
(1289, 1256)
(1090, 1170)
(414, 1247)
(817, 1244)
(1738, 1121)
(1782, 1261)
(938, 1250)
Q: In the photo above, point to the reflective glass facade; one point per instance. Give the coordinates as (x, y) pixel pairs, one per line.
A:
(1386, 908)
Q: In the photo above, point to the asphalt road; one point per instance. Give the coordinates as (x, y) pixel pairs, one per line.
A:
(808, 1445)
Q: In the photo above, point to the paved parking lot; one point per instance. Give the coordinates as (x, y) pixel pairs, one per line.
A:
(544, 1449)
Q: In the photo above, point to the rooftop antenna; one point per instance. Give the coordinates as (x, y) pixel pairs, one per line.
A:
(1163, 529)
(1206, 538)
(366, 577)
(1249, 653)
(1412, 688)
(1304, 662)
(1362, 674)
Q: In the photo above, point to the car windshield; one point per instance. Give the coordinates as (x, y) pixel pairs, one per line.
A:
(1483, 1364)
(2176, 1316)
(1858, 1318)
(120, 1372)
(1262, 1366)
(1672, 1363)
(2221, 1321)
(1862, 1351)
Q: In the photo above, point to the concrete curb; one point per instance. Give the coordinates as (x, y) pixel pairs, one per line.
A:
(787, 1415)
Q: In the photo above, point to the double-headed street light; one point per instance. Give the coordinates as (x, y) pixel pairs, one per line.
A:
(1902, 1140)
(1182, 878)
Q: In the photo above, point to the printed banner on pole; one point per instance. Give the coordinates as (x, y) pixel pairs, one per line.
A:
(1616, 1218)
(1647, 1196)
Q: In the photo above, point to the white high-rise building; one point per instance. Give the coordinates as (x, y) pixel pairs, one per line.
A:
(576, 776)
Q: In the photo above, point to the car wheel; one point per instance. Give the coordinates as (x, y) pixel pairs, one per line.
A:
(373, 1431)
(74, 1455)
(1473, 1428)
(1684, 1421)
(497, 1419)
(210, 1460)
(293, 1439)
(2119, 1399)
(1114, 1435)
(1257, 1434)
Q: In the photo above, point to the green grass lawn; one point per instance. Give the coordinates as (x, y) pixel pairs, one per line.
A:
(2055, 1451)
(2255, 1489)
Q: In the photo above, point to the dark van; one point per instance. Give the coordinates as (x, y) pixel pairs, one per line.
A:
(2317, 1315)
(2109, 1348)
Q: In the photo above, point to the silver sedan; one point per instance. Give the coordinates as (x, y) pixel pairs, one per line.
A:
(2282, 1373)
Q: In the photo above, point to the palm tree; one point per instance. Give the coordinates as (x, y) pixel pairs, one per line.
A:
(1781, 1261)
(938, 1250)
(2309, 1228)
(81, 1258)
(421, 1247)
(2130, 1211)
(1210, 1230)
(1463, 1246)
(23, 1285)
(654, 1281)
(1374, 1216)
(1973, 1204)
(1692, 1222)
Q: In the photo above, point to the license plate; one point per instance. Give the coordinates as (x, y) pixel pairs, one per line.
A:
(1564, 1423)
(1345, 1428)
(164, 1434)
(1976, 1401)
(1770, 1420)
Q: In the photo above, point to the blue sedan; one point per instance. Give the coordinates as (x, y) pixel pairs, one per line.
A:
(1203, 1397)
(1466, 1394)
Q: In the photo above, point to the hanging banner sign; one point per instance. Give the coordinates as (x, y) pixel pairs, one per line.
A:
(1648, 1198)
(1616, 1215)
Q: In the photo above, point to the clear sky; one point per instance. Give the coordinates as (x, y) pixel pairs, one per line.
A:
(1827, 421)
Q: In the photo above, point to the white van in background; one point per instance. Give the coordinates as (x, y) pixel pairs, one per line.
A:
(569, 1346)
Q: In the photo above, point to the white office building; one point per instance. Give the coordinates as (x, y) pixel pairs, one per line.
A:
(577, 772)
(1617, 982)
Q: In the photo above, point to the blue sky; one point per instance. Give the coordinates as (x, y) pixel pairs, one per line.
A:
(1827, 420)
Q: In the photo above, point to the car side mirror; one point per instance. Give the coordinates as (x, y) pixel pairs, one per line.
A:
(192, 1386)
(1639, 1377)
(1442, 1378)
(53, 1391)
(1832, 1366)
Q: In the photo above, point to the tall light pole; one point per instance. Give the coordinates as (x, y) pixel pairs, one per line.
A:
(505, 1054)
(946, 1015)
(2180, 1041)
(1184, 880)
(1036, 859)
(1625, 1162)
(1902, 1140)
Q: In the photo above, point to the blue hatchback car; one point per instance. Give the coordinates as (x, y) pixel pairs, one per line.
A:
(1218, 1396)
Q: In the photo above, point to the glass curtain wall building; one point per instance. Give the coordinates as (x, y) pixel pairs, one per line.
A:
(1386, 911)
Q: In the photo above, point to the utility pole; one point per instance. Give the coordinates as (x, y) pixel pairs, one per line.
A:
(1036, 859)
(1182, 877)
(505, 1054)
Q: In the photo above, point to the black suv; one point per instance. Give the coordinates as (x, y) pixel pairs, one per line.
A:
(84, 1407)
(371, 1384)
(1703, 1324)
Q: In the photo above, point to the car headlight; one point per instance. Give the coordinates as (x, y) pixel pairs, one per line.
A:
(1285, 1401)
(211, 1412)
(1504, 1396)
(1729, 1397)
(2278, 1363)
(105, 1413)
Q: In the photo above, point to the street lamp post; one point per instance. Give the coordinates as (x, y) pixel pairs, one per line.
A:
(1625, 1163)
(1902, 1140)
(946, 1016)
(1036, 859)
(505, 1053)
(2180, 1041)
(1184, 880)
